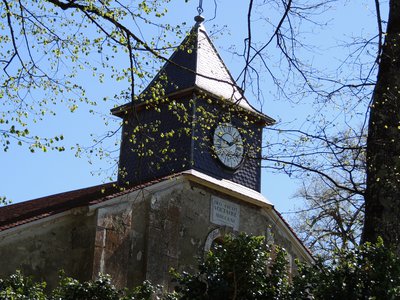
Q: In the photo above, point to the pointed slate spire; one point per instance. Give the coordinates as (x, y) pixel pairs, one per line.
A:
(197, 64)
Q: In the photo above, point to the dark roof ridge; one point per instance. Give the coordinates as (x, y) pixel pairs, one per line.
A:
(52, 204)
(20, 213)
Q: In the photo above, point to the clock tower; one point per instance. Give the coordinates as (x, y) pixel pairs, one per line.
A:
(192, 116)
(189, 172)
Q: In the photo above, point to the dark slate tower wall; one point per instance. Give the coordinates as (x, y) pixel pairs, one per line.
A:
(205, 161)
(156, 142)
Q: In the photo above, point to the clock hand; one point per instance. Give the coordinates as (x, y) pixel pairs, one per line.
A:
(228, 143)
(237, 140)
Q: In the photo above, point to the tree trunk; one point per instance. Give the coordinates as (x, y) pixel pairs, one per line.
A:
(382, 198)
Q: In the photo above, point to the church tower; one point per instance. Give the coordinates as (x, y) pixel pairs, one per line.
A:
(192, 116)
(193, 133)
(189, 172)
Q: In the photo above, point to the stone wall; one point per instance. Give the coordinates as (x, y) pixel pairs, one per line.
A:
(179, 230)
(44, 247)
(137, 236)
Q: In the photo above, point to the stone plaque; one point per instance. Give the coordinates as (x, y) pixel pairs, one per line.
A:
(225, 213)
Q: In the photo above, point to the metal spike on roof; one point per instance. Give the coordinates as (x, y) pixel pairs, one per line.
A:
(200, 8)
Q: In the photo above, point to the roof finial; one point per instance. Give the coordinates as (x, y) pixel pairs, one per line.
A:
(199, 18)
(200, 7)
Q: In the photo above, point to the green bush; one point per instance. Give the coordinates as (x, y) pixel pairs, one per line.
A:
(241, 268)
(370, 271)
(71, 289)
(19, 287)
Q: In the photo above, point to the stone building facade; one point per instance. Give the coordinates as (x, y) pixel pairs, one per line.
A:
(160, 213)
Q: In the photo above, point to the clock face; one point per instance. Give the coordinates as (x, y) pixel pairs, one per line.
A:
(228, 145)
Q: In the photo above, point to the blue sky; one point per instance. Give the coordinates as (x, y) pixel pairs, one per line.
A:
(26, 176)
